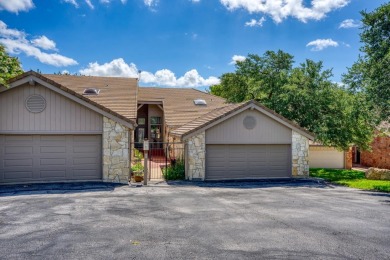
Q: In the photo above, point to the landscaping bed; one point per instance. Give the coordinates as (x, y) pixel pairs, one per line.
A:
(350, 178)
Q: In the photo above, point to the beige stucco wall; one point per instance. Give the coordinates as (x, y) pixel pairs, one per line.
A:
(115, 152)
(196, 157)
(300, 155)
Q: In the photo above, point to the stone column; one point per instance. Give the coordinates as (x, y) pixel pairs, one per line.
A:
(300, 155)
(115, 152)
(196, 156)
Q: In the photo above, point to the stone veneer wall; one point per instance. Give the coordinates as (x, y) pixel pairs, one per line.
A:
(115, 152)
(196, 157)
(300, 155)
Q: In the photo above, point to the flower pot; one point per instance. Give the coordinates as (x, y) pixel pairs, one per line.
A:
(138, 178)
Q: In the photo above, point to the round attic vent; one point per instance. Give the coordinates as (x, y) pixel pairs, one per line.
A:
(249, 122)
(35, 103)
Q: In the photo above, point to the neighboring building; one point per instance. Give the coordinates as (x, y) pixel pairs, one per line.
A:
(379, 156)
(76, 128)
(321, 156)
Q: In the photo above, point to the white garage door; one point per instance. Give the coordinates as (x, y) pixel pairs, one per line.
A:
(247, 161)
(42, 158)
(325, 157)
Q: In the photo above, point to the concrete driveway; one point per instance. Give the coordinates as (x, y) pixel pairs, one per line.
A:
(205, 221)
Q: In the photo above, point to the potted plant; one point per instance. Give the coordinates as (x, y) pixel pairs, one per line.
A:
(137, 169)
(138, 172)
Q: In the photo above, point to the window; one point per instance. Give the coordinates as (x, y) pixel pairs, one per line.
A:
(141, 121)
(155, 129)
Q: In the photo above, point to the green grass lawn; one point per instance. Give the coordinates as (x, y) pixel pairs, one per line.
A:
(350, 178)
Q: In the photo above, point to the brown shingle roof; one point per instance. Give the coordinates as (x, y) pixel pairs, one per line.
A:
(179, 107)
(221, 112)
(116, 94)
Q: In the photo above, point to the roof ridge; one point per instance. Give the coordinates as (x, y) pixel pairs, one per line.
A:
(82, 76)
(204, 92)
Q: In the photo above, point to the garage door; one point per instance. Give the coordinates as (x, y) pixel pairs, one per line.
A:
(247, 161)
(41, 158)
(325, 157)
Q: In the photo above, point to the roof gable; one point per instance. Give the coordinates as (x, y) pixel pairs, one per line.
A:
(221, 114)
(105, 104)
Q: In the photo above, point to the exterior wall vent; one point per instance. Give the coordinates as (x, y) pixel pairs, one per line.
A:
(91, 91)
(200, 102)
(35, 103)
(249, 122)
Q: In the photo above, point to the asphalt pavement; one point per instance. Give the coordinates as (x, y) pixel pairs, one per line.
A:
(264, 220)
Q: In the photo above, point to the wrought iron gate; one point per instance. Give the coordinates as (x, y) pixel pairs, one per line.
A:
(162, 157)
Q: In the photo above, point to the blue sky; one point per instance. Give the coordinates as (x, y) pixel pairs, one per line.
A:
(177, 43)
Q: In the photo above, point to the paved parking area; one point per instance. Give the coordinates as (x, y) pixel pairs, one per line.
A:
(204, 221)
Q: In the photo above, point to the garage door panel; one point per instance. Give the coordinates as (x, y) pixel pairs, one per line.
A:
(325, 157)
(15, 139)
(59, 162)
(17, 162)
(39, 158)
(52, 149)
(11, 150)
(84, 149)
(87, 174)
(17, 175)
(248, 161)
(52, 174)
(85, 161)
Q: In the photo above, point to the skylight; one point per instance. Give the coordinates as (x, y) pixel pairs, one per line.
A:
(91, 91)
(200, 102)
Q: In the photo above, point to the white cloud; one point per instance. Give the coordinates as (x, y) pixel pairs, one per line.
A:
(5, 32)
(115, 68)
(236, 58)
(349, 23)
(15, 6)
(164, 77)
(73, 2)
(44, 43)
(150, 3)
(195, 1)
(321, 44)
(88, 2)
(281, 9)
(253, 22)
(16, 42)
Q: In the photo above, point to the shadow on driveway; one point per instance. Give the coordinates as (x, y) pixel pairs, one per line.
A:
(249, 184)
(55, 188)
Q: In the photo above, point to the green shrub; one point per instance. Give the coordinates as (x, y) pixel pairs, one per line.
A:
(175, 171)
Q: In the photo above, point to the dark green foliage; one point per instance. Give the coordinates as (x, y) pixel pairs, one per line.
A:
(371, 74)
(175, 171)
(304, 94)
(9, 66)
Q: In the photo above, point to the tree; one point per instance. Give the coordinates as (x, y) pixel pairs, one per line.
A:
(304, 94)
(370, 74)
(9, 66)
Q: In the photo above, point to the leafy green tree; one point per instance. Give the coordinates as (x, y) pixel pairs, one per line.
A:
(371, 74)
(304, 94)
(9, 66)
